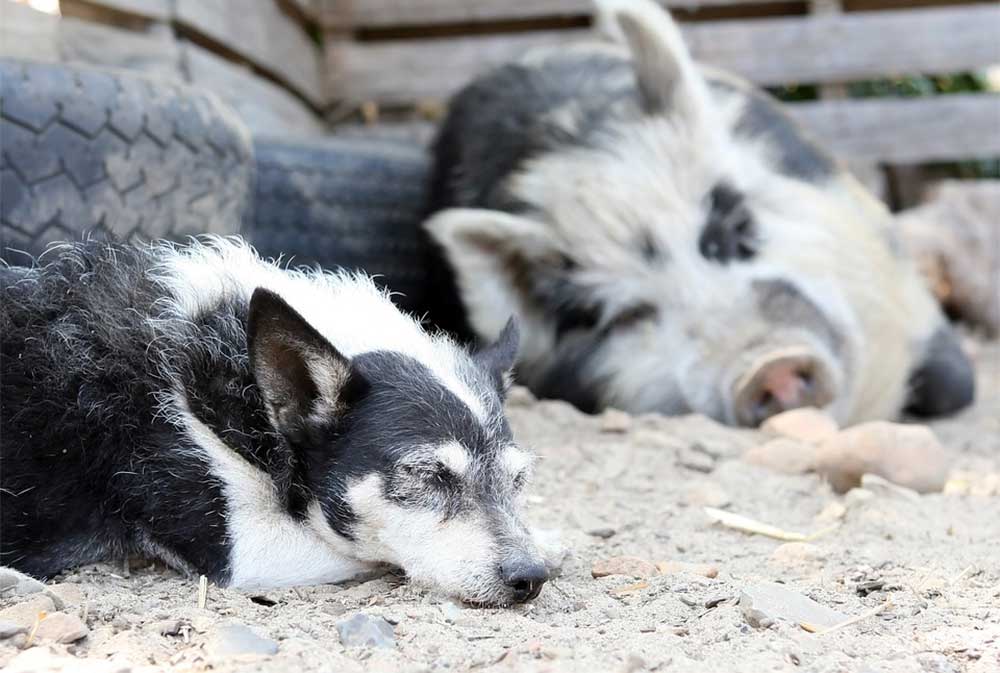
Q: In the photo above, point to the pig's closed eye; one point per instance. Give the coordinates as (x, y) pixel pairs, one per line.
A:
(431, 474)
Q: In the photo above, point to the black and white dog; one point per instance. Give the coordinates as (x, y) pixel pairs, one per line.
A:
(261, 426)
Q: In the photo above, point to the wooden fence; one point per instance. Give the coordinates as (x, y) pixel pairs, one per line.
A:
(296, 66)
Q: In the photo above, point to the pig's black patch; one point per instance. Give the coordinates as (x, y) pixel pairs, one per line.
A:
(762, 117)
(729, 233)
(945, 381)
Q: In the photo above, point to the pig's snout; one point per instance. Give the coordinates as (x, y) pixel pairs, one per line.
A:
(524, 578)
(780, 383)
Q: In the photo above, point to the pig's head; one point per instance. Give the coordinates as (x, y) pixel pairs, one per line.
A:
(673, 242)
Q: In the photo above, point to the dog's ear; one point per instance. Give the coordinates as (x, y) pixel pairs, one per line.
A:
(301, 376)
(497, 259)
(499, 357)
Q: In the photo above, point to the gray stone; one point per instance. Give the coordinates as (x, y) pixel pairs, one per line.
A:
(234, 639)
(364, 630)
(14, 583)
(451, 611)
(61, 627)
(763, 604)
(10, 629)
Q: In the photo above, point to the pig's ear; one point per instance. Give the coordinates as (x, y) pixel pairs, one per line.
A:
(494, 256)
(668, 79)
(499, 357)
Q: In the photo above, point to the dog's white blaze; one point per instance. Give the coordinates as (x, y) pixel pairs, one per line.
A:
(515, 460)
(457, 556)
(268, 547)
(454, 456)
(346, 308)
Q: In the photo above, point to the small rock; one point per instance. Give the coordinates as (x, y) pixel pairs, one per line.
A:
(935, 662)
(615, 421)
(692, 459)
(451, 612)
(764, 604)
(10, 629)
(234, 639)
(804, 425)
(907, 455)
(165, 627)
(787, 456)
(364, 630)
(706, 494)
(832, 513)
(672, 567)
(886, 489)
(630, 566)
(26, 613)
(796, 553)
(16, 583)
(69, 594)
(62, 628)
(604, 532)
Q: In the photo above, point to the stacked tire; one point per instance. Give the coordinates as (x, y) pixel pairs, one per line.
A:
(111, 155)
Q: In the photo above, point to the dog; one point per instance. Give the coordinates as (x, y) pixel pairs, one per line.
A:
(673, 242)
(261, 426)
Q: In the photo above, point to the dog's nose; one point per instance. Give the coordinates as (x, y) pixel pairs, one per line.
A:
(779, 385)
(525, 579)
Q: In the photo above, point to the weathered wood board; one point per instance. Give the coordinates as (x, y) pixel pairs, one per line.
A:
(262, 34)
(806, 49)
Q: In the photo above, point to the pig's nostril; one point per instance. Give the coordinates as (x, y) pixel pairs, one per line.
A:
(778, 384)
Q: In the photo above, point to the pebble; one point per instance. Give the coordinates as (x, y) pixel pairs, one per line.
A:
(451, 611)
(796, 553)
(692, 459)
(787, 456)
(604, 532)
(631, 566)
(364, 630)
(907, 455)
(706, 494)
(68, 594)
(672, 567)
(234, 639)
(15, 583)
(615, 421)
(763, 604)
(10, 629)
(26, 612)
(831, 513)
(165, 627)
(805, 425)
(61, 627)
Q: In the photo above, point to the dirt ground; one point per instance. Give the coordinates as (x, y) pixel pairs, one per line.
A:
(923, 573)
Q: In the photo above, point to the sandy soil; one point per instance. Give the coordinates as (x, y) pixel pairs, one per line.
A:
(931, 562)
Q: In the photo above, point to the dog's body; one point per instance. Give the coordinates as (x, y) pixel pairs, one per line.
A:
(673, 242)
(260, 426)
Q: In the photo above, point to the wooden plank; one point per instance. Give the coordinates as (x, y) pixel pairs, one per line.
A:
(266, 108)
(396, 13)
(808, 49)
(262, 34)
(155, 10)
(32, 35)
(906, 130)
(862, 132)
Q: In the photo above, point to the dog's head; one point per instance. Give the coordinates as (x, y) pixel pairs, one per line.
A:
(408, 467)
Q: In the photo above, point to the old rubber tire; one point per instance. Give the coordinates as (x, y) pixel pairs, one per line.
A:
(355, 204)
(114, 155)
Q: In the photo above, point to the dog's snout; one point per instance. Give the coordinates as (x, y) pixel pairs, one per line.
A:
(524, 578)
(780, 384)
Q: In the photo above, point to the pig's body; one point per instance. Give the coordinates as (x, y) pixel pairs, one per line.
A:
(673, 242)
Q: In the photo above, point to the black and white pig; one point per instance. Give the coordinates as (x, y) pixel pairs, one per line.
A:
(259, 425)
(672, 242)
